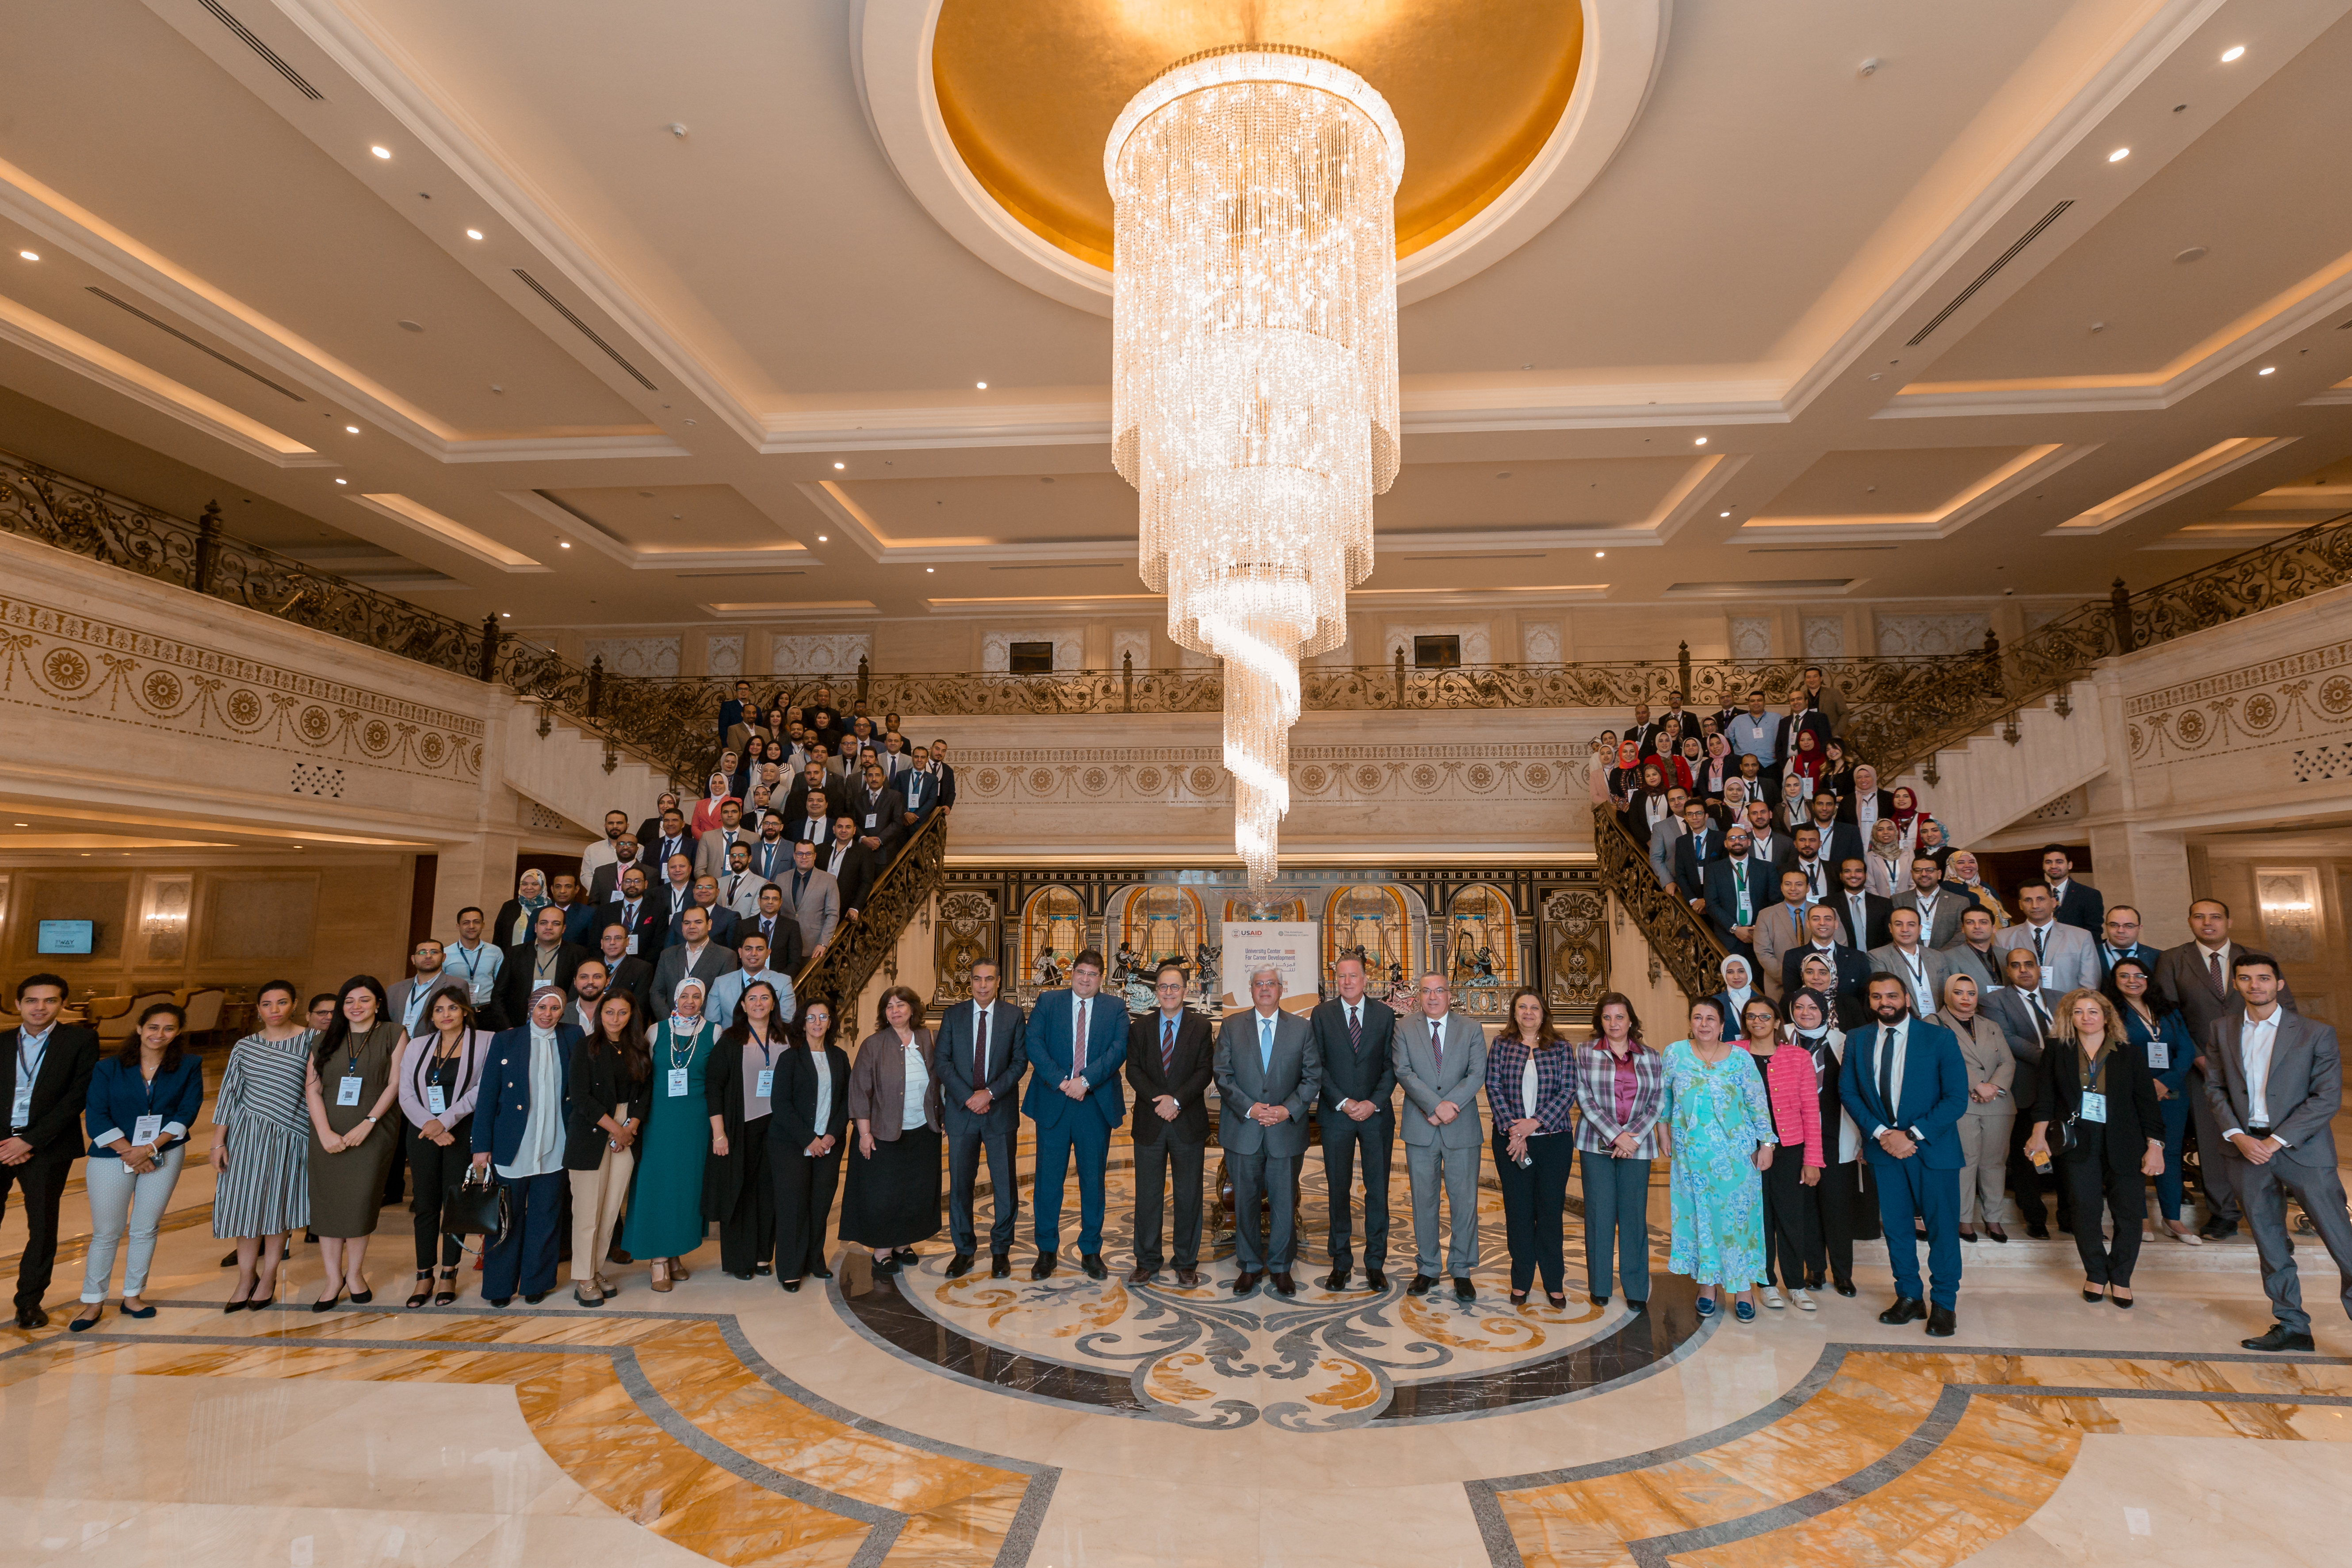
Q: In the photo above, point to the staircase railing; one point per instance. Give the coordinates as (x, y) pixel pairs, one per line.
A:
(1685, 944)
(841, 970)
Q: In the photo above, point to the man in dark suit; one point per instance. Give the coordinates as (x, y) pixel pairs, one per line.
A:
(622, 971)
(607, 879)
(2196, 978)
(579, 915)
(638, 915)
(2119, 940)
(1840, 840)
(672, 895)
(1643, 731)
(780, 931)
(1738, 888)
(45, 1070)
(1805, 859)
(1973, 954)
(1850, 967)
(979, 1061)
(1905, 1085)
(1767, 841)
(694, 953)
(2079, 904)
(2276, 1083)
(546, 960)
(1268, 1071)
(1354, 1036)
(947, 775)
(919, 787)
(518, 1134)
(1076, 1040)
(1861, 912)
(881, 814)
(2027, 1012)
(1171, 1056)
(1701, 842)
(811, 822)
(772, 856)
(673, 839)
(706, 899)
(846, 861)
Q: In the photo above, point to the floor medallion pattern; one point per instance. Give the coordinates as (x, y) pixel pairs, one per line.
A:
(1320, 1360)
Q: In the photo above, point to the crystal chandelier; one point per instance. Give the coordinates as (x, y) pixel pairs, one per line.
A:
(1255, 381)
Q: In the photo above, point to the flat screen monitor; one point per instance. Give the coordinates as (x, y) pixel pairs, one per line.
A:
(71, 936)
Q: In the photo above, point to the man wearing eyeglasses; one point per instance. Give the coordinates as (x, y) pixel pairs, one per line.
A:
(1171, 1056)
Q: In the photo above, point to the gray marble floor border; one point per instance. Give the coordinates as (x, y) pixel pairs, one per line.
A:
(883, 1524)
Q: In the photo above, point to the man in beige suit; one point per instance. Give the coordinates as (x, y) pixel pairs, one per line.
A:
(1781, 931)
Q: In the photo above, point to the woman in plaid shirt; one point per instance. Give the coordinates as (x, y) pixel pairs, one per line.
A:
(1530, 1087)
(1621, 1088)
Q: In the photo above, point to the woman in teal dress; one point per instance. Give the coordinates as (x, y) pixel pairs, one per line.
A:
(665, 1219)
(1723, 1143)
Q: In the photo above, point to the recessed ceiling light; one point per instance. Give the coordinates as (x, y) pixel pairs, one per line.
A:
(820, 538)
(930, 568)
(981, 384)
(342, 481)
(1723, 514)
(30, 254)
(506, 615)
(1598, 554)
(380, 152)
(473, 234)
(563, 545)
(2267, 370)
(841, 465)
(2235, 51)
(2119, 155)
(1700, 442)
(353, 429)
(24, 824)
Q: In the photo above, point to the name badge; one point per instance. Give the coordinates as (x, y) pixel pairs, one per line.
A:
(633, 944)
(21, 1112)
(677, 1083)
(347, 1091)
(2095, 1107)
(2159, 1054)
(146, 1129)
(869, 818)
(437, 1099)
(767, 1083)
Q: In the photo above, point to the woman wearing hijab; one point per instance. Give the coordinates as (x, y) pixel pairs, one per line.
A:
(717, 794)
(612, 1092)
(1847, 1010)
(1984, 1125)
(1844, 1207)
(1887, 866)
(1648, 805)
(2098, 1088)
(513, 926)
(1625, 773)
(684, 1131)
(1603, 770)
(805, 1136)
(352, 1086)
(1908, 818)
(1794, 1096)
(2161, 1037)
(1717, 768)
(893, 1201)
(1730, 809)
(1738, 977)
(1801, 778)
(519, 1135)
(1722, 1128)
(737, 1190)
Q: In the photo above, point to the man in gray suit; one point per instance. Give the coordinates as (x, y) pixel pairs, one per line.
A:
(1440, 1060)
(1939, 909)
(2026, 1011)
(2275, 1080)
(2196, 978)
(1267, 1069)
(2068, 957)
(1920, 967)
(811, 897)
(1971, 954)
(693, 954)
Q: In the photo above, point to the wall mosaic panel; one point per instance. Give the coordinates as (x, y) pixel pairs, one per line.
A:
(726, 655)
(634, 656)
(1539, 642)
(1824, 637)
(1752, 636)
(818, 653)
(1900, 635)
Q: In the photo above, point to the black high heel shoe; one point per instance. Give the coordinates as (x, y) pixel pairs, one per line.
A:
(424, 1291)
(329, 1303)
(448, 1290)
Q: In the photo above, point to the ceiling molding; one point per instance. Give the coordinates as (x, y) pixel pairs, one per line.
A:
(2003, 484)
(787, 611)
(844, 514)
(2221, 457)
(417, 516)
(791, 555)
(119, 372)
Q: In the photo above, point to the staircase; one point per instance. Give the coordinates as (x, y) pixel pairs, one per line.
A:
(2005, 771)
(841, 972)
(566, 766)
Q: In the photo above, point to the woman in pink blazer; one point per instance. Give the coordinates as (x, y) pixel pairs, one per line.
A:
(1793, 1088)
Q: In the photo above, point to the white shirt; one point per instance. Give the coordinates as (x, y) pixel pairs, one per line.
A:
(1917, 963)
(2256, 1036)
(918, 1084)
(823, 1092)
(31, 1049)
(1899, 1042)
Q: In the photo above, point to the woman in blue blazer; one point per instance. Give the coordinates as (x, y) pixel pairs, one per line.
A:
(141, 1102)
(520, 1136)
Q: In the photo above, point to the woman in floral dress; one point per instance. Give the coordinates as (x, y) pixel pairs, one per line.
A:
(1723, 1142)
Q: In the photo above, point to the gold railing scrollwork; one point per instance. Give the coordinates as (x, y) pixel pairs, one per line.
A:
(841, 972)
(1680, 940)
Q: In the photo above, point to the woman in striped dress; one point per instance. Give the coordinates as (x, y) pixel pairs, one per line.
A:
(261, 1146)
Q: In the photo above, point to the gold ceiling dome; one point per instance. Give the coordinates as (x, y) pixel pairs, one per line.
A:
(1028, 89)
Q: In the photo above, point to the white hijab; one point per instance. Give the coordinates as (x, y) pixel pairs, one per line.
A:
(1737, 995)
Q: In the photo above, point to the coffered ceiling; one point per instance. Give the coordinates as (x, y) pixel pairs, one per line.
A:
(1809, 279)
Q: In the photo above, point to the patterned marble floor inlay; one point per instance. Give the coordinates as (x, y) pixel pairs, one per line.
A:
(1889, 1456)
(672, 1419)
(1317, 1361)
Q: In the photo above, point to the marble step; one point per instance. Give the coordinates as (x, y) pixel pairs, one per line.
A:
(2057, 1257)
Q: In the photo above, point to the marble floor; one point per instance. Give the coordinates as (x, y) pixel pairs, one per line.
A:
(1065, 1424)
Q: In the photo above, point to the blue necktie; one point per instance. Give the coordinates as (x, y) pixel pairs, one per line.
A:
(1265, 1044)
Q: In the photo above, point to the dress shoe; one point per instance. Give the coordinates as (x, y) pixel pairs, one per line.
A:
(762, 1270)
(1244, 1282)
(1969, 1234)
(1906, 1309)
(744, 1274)
(958, 1266)
(1939, 1323)
(887, 1265)
(905, 1257)
(501, 1300)
(1376, 1278)
(1422, 1285)
(820, 1272)
(2037, 1231)
(1464, 1290)
(1601, 1300)
(1188, 1278)
(1142, 1274)
(2279, 1337)
(1842, 1287)
(1336, 1279)
(533, 1298)
(678, 1271)
(1000, 1266)
(1093, 1264)
(2217, 1229)
(32, 1318)
(1995, 1232)
(793, 1286)
(1043, 1268)
(1283, 1285)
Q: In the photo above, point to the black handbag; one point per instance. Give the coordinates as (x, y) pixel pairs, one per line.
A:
(475, 1205)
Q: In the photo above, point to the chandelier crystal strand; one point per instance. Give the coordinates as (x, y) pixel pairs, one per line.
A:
(1255, 379)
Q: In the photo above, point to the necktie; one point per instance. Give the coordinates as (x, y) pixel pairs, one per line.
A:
(629, 914)
(2213, 971)
(1437, 1044)
(1739, 880)
(2033, 1000)
(1078, 1049)
(800, 885)
(1886, 1071)
(1265, 1045)
(2040, 944)
(734, 886)
(1355, 1028)
(980, 1047)
(1167, 1047)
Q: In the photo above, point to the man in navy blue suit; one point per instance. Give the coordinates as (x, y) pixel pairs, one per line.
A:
(1905, 1085)
(521, 1118)
(1077, 1042)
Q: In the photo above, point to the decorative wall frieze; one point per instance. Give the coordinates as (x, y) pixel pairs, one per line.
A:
(66, 662)
(2302, 697)
(1195, 776)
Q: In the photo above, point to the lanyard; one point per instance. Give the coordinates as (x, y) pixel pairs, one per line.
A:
(469, 960)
